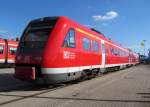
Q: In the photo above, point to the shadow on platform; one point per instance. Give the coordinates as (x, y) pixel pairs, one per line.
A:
(9, 83)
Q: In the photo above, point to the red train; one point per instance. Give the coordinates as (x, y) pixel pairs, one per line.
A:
(57, 49)
(8, 50)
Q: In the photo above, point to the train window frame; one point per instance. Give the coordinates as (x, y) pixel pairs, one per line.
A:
(111, 50)
(114, 51)
(84, 39)
(67, 40)
(12, 52)
(1, 49)
(95, 49)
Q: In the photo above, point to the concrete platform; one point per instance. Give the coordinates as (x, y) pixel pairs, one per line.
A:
(125, 88)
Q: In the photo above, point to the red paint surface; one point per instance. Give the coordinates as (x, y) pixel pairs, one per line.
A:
(6, 52)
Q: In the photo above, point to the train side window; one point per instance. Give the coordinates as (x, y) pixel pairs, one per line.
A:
(95, 46)
(112, 50)
(70, 39)
(86, 44)
(13, 51)
(121, 53)
(116, 52)
(1, 49)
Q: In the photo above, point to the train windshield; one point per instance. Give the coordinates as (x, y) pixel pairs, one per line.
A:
(36, 37)
(37, 34)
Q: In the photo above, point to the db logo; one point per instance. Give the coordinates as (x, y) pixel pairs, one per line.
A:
(69, 55)
(66, 54)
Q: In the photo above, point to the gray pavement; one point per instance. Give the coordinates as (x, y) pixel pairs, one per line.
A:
(125, 88)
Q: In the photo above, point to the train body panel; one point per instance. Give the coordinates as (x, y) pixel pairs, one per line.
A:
(60, 50)
(8, 50)
(12, 48)
(2, 51)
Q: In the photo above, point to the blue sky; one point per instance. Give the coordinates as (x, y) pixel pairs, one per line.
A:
(124, 21)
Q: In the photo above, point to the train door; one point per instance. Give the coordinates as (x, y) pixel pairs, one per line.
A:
(103, 53)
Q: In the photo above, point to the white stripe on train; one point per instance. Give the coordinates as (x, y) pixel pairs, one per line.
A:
(75, 69)
(2, 43)
(12, 45)
(8, 44)
(10, 61)
(2, 60)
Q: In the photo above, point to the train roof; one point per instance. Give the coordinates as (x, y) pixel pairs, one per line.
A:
(90, 30)
(12, 41)
(45, 19)
(94, 32)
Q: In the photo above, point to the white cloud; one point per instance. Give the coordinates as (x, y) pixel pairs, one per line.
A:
(109, 16)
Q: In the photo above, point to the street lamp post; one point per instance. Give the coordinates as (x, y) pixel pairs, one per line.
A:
(144, 46)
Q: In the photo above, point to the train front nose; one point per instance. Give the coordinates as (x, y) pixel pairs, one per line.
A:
(28, 68)
(25, 73)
